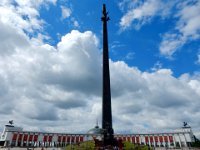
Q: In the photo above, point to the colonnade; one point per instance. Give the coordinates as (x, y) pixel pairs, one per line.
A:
(39, 139)
(24, 139)
(158, 140)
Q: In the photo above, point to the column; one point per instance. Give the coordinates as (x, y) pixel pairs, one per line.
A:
(16, 142)
(185, 140)
(5, 144)
(168, 141)
(71, 140)
(154, 142)
(140, 140)
(65, 140)
(146, 143)
(149, 140)
(179, 140)
(163, 141)
(22, 141)
(75, 139)
(32, 142)
(159, 141)
(174, 140)
(27, 142)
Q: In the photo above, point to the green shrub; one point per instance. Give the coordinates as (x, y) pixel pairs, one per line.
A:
(130, 146)
(88, 145)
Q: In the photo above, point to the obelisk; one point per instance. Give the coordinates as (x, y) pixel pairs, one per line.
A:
(108, 132)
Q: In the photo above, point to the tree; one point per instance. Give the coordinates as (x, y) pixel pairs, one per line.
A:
(196, 142)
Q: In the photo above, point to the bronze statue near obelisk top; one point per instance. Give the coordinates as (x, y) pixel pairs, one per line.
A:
(108, 138)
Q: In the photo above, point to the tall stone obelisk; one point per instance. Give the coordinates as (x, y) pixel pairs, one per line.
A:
(108, 132)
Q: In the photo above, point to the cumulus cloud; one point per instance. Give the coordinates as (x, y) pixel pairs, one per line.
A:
(11, 39)
(188, 24)
(152, 97)
(171, 42)
(141, 13)
(41, 80)
(187, 28)
(58, 88)
(66, 12)
(23, 14)
(185, 13)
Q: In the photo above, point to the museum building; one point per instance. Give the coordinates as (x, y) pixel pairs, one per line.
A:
(16, 137)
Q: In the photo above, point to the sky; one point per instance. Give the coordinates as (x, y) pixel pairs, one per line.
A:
(51, 64)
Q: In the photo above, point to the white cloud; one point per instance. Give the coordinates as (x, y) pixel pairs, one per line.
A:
(67, 80)
(151, 96)
(130, 56)
(198, 59)
(23, 15)
(50, 80)
(186, 13)
(11, 39)
(188, 23)
(157, 66)
(66, 12)
(171, 43)
(141, 13)
(76, 24)
(187, 28)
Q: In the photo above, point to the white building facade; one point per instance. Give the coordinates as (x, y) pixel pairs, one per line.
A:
(16, 137)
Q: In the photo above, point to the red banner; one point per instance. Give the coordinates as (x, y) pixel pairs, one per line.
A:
(68, 139)
(161, 138)
(73, 139)
(45, 138)
(146, 139)
(64, 139)
(20, 137)
(81, 138)
(14, 138)
(165, 138)
(59, 138)
(77, 139)
(171, 139)
(156, 138)
(50, 138)
(25, 137)
(35, 138)
(133, 139)
(151, 139)
(30, 138)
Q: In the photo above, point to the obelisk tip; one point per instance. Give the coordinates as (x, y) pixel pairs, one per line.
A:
(104, 7)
